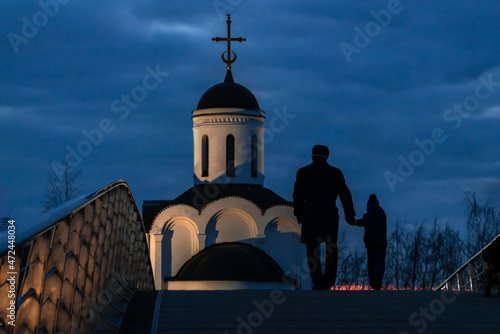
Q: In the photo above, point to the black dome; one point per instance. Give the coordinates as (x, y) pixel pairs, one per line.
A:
(228, 94)
(232, 261)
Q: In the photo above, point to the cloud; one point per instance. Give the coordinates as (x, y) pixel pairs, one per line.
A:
(490, 113)
(429, 57)
(6, 111)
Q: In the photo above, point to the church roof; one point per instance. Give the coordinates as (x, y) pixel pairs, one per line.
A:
(149, 210)
(232, 261)
(201, 196)
(228, 94)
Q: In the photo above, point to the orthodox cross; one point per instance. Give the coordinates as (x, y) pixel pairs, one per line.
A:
(229, 60)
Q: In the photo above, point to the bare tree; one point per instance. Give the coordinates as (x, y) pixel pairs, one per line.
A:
(451, 253)
(422, 257)
(395, 250)
(442, 255)
(352, 273)
(483, 223)
(352, 270)
(433, 246)
(415, 246)
(62, 185)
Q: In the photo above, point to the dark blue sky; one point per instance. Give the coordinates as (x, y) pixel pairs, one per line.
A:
(387, 85)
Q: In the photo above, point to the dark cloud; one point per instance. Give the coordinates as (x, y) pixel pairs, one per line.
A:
(64, 81)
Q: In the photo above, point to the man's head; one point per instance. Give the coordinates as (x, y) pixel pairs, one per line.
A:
(320, 153)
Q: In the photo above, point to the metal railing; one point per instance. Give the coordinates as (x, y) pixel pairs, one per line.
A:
(77, 267)
(471, 276)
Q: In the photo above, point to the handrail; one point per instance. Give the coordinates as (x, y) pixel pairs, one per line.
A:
(53, 216)
(77, 266)
(473, 284)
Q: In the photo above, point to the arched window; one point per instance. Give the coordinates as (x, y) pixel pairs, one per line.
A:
(204, 156)
(254, 157)
(230, 155)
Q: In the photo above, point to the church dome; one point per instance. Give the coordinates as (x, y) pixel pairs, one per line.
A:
(228, 94)
(232, 261)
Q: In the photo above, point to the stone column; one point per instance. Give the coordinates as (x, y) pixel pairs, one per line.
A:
(156, 249)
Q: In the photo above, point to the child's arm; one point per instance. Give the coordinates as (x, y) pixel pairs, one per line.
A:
(361, 222)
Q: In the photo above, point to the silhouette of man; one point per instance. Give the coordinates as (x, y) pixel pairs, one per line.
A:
(314, 196)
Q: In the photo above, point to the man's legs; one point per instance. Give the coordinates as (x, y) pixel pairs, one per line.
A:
(314, 261)
(331, 262)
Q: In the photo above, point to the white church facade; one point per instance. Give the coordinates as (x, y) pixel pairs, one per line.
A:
(228, 202)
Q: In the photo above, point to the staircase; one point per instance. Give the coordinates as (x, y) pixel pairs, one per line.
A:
(84, 268)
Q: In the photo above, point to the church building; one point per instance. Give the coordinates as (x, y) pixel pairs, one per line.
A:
(228, 204)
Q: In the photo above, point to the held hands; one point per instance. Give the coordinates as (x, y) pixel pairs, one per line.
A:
(352, 222)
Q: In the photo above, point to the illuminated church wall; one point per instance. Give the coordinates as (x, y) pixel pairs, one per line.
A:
(183, 232)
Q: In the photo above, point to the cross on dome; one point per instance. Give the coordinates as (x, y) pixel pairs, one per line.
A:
(228, 60)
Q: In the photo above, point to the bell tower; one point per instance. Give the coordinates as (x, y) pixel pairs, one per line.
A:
(228, 130)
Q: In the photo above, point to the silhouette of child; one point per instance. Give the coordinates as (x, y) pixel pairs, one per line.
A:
(375, 223)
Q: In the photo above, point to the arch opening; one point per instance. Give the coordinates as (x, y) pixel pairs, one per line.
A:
(254, 157)
(204, 156)
(230, 153)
